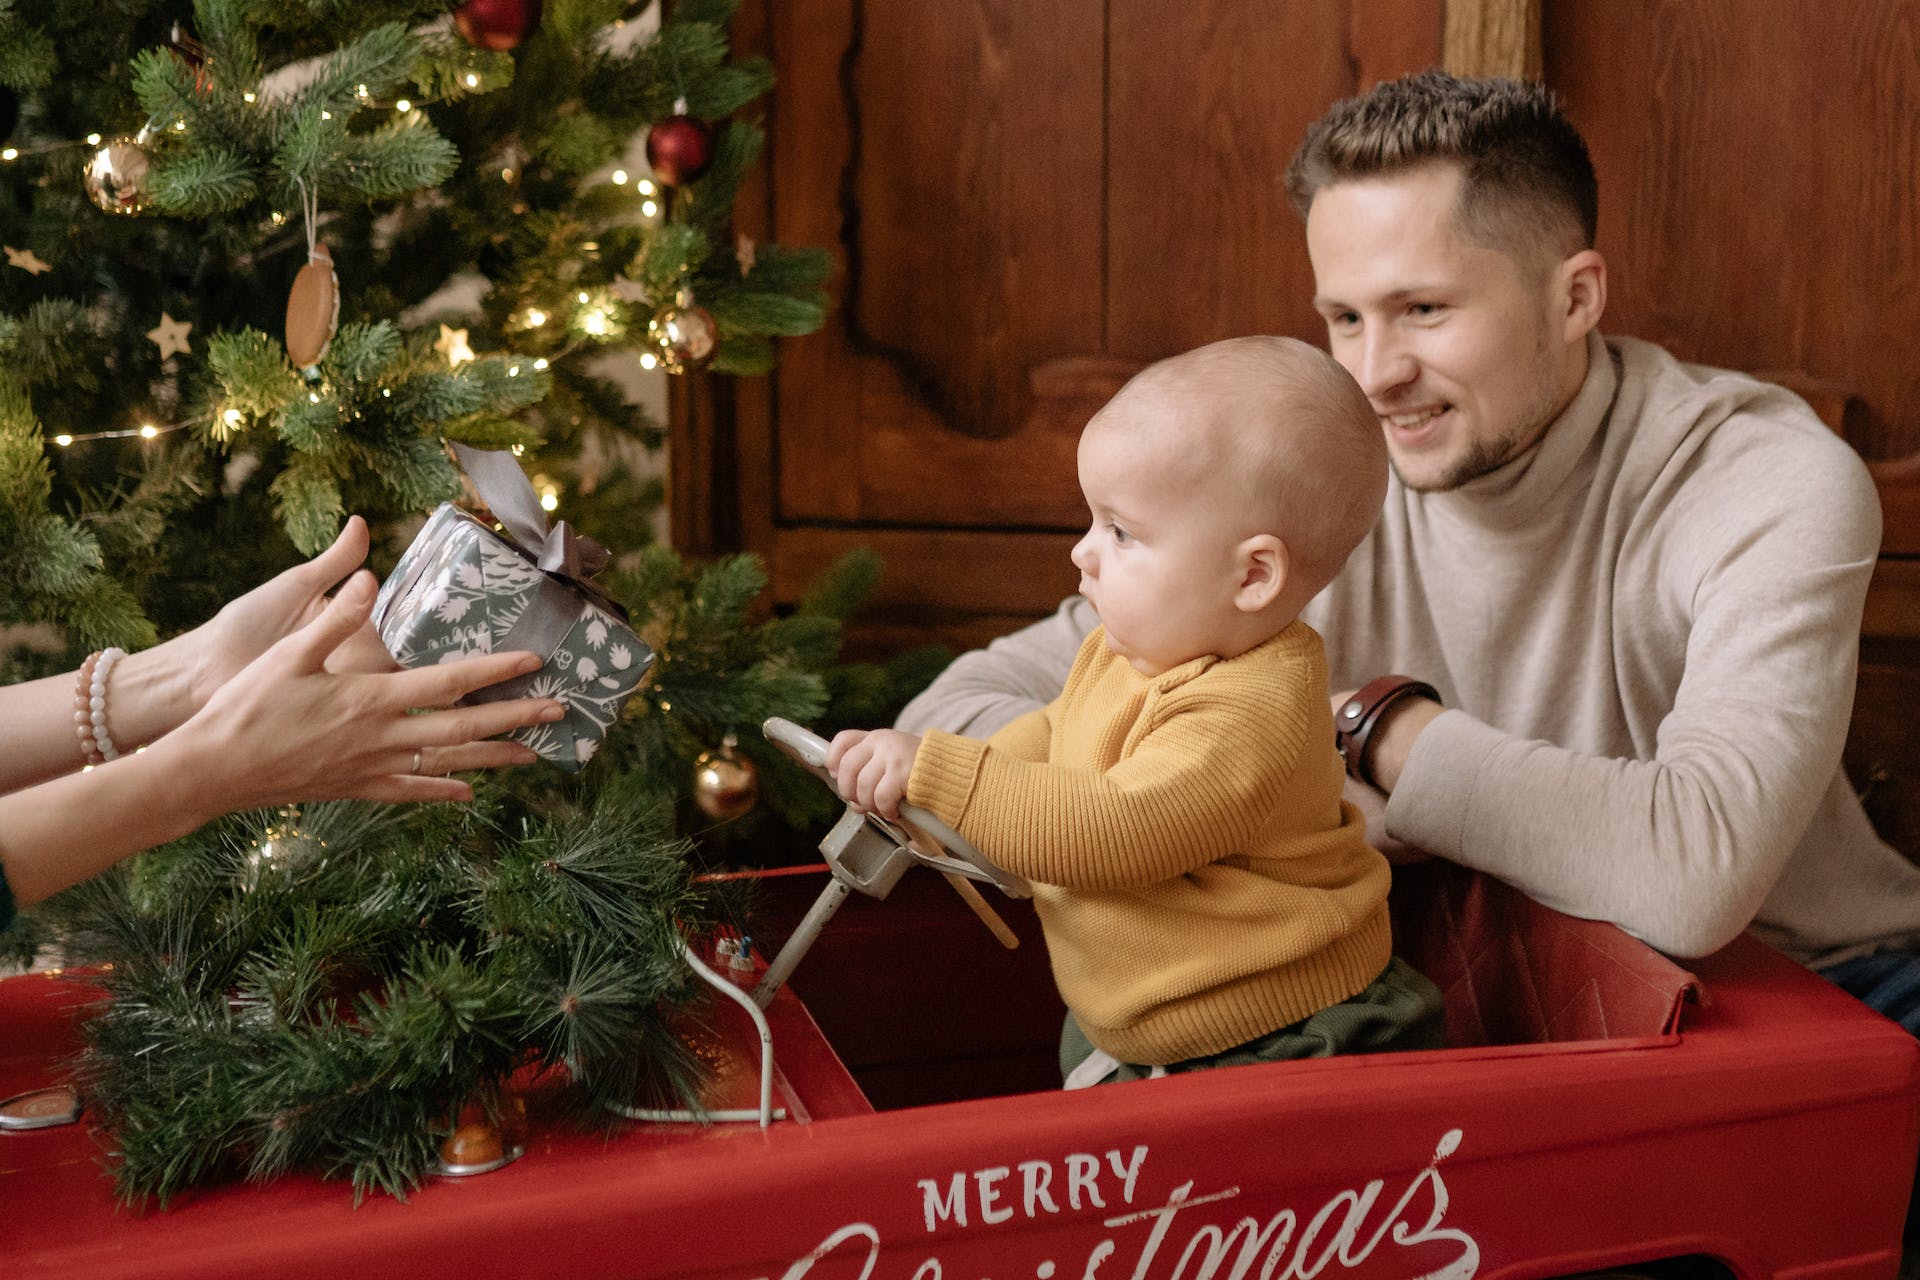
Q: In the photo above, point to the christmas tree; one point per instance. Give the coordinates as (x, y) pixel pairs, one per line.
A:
(263, 257)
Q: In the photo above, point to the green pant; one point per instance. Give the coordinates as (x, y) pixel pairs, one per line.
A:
(1400, 1009)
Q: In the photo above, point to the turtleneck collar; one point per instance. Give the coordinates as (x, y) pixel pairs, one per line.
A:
(1517, 491)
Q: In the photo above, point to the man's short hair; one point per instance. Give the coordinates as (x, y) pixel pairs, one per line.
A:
(1527, 182)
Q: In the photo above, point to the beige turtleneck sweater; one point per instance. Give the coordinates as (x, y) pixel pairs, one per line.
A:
(1646, 628)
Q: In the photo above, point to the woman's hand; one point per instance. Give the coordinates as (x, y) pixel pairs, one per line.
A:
(247, 626)
(287, 727)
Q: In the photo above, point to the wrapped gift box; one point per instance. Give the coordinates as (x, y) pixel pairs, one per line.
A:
(463, 589)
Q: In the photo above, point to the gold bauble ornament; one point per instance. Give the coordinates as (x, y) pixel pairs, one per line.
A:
(683, 334)
(725, 783)
(116, 177)
(285, 850)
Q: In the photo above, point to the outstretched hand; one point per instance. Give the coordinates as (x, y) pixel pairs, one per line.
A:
(287, 727)
(247, 626)
(870, 768)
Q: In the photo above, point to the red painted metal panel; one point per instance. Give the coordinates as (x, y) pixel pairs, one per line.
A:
(1775, 1128)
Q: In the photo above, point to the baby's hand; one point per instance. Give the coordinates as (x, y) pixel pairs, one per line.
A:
(871, 767)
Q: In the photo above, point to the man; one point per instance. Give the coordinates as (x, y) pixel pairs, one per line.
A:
(1631, 587)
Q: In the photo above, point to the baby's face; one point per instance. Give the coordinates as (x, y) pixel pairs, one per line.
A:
(1157, 561)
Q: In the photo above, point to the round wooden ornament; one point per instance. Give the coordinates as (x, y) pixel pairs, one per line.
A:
(313, 309)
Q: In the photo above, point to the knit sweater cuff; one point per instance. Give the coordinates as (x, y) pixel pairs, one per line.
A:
(1431, 804)
(944, 771)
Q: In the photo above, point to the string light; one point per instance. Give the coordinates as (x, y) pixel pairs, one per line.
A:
(403, 106)
(648, 360)
(541, 363)
(649, 208)
(93, 139)
(619, 177)
(535, 317)
(645, 188)
(145, 431)
(11, 153)
(473, 81)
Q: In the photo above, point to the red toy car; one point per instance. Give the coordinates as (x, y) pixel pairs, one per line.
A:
(1601, 1108)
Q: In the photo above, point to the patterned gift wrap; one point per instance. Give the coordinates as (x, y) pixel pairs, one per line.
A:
(462, 589)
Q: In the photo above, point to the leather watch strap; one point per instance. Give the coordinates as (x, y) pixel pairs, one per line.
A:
(1360, 715)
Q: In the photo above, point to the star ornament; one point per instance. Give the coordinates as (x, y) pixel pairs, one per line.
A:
(452, 343)
(170, 336)
(25, 259)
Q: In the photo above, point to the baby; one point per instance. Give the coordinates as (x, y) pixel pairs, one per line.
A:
(1207, 896)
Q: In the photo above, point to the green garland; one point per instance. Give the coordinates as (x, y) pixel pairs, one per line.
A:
(327, 990)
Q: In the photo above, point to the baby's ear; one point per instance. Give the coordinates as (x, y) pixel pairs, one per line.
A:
(1264, 564)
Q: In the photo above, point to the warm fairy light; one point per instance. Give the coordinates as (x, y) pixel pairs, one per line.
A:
(506, 175)
(278, 218)
(148, 431)
(473, 81)
(313, 397)
(231, 417)
(619, 177)
(248, 96)
(595, 322)
(513, 371)
(359, 91)
(535, 317)
(63, 439)
(647, 360)
(541, 363)
(519, 449)
(550, 499)
(403, 106)
(93, 139)
(648, 209)
(582, 295)
(326, 115)
(179, 126)
(11, 153)
(645, 188)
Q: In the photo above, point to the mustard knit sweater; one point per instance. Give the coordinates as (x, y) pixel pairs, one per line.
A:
(1198, 877)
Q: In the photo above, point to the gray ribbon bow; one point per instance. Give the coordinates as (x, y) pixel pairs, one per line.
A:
(504, 487)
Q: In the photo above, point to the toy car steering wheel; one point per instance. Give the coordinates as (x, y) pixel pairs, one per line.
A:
(931, 842)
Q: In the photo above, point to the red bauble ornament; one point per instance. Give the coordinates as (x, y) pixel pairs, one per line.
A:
(679, 148)
(498, 25)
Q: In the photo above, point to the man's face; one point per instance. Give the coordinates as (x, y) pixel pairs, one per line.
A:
(1456, 345)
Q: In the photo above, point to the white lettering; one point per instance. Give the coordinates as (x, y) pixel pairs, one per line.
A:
(988, 1181)
(952, 1209)
(1081, 1172)
(834, 1241)
(1129, 1172)
(1344, 1228)
(1036, 1181)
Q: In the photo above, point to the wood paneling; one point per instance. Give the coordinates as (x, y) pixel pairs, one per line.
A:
(1028, 201)
(1760, 185)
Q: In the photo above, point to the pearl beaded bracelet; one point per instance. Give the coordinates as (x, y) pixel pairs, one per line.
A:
(90, 706)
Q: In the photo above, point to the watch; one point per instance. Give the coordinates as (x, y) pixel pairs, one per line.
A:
(1360, 715)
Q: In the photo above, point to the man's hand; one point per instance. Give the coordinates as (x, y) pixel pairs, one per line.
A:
(871, 767)
(1393, 738)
